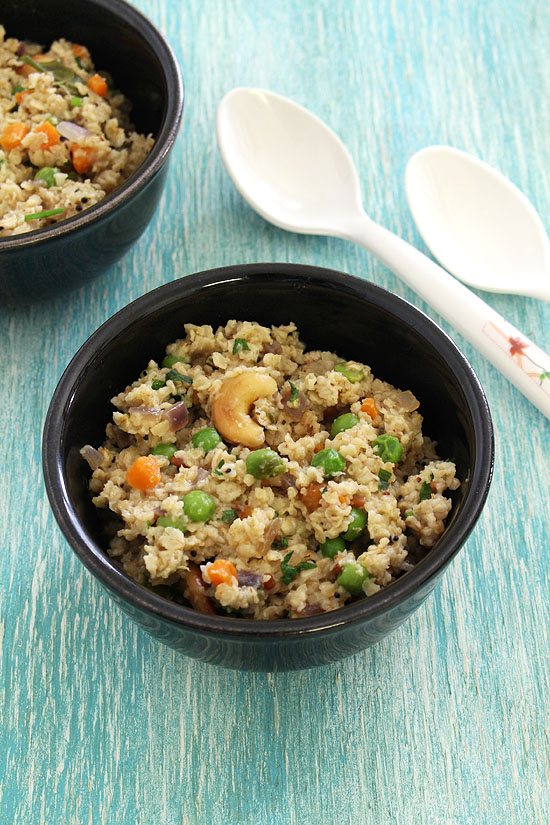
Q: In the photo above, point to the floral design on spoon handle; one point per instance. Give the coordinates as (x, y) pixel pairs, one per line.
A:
(525, 354)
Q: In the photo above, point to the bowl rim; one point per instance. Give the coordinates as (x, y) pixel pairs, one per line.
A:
(96, 559)
(168, 131)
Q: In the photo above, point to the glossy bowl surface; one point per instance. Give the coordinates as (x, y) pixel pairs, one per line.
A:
(333, 311)
(121, 40)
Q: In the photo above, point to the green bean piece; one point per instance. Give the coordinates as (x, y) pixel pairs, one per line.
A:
(207, 439)
(167, 450)
(343, 422)
(264, 463)
(199, 506)
(330, 461)
(48, 213)
(47, 175)
(332, 547)
(353, 375)
(352, 577)
(179, 523)
(388, 448)
(356, 526)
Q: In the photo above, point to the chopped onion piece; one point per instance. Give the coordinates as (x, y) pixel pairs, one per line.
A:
(150, 414)
(71, 131)
(249, 578)
(296, 408)
(92, 456)
(177, 416)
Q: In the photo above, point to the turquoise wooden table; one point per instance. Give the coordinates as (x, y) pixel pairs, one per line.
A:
(444, 722)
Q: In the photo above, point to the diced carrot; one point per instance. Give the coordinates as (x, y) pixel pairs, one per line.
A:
(83, 158)
(51, 135)
(369, 406)
(98, 85)
(19, 95)
(343, 499)
(12, 136)
(222, 572)
(311, 495)
(245, 512)
(144, 474)
(78, 50)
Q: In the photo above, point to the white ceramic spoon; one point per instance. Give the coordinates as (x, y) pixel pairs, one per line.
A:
(294, 171)
(477, 224)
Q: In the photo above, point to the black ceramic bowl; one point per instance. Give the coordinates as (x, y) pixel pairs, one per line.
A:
(122, 41)
(333, 311)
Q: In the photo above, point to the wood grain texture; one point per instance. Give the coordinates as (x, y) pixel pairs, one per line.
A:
(446, 721)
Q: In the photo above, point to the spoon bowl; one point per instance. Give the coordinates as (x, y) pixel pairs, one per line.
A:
(477, 223)
(273, 150)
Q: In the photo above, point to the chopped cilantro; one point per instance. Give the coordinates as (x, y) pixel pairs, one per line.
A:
(240, 344)
(290, 572)
(217, 471)
(174, 375)
(425, 491)
(294, 393)
(156, 384)
(18, 88)
(280, 543)
(229, 516)
(384, 476)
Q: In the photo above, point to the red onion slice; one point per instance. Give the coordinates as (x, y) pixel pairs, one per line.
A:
(294, 409)
(92, 456)
(249, 578)
(177, 416)
(71, 131)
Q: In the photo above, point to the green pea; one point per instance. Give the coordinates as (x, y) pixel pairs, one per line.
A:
(353, 375)
(352, 577)
(332, 547)
(75, 101)
(388, 448)
(157, 385)
(330, 460)
(264, 463)
(343, 422)
(207, 439)
(199, 506)
(47, 174)
(169, 361)
(178, 523)
(167, 450)
(356, 526)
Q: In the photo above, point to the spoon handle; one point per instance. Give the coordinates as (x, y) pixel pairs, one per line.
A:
(511, 352)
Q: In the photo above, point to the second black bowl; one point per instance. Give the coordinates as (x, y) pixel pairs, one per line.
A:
(335, 312)
(121, 40)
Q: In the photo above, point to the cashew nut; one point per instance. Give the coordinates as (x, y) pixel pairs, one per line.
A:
(231, 406)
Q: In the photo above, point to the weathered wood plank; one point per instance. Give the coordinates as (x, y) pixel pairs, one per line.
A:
(444, 722)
